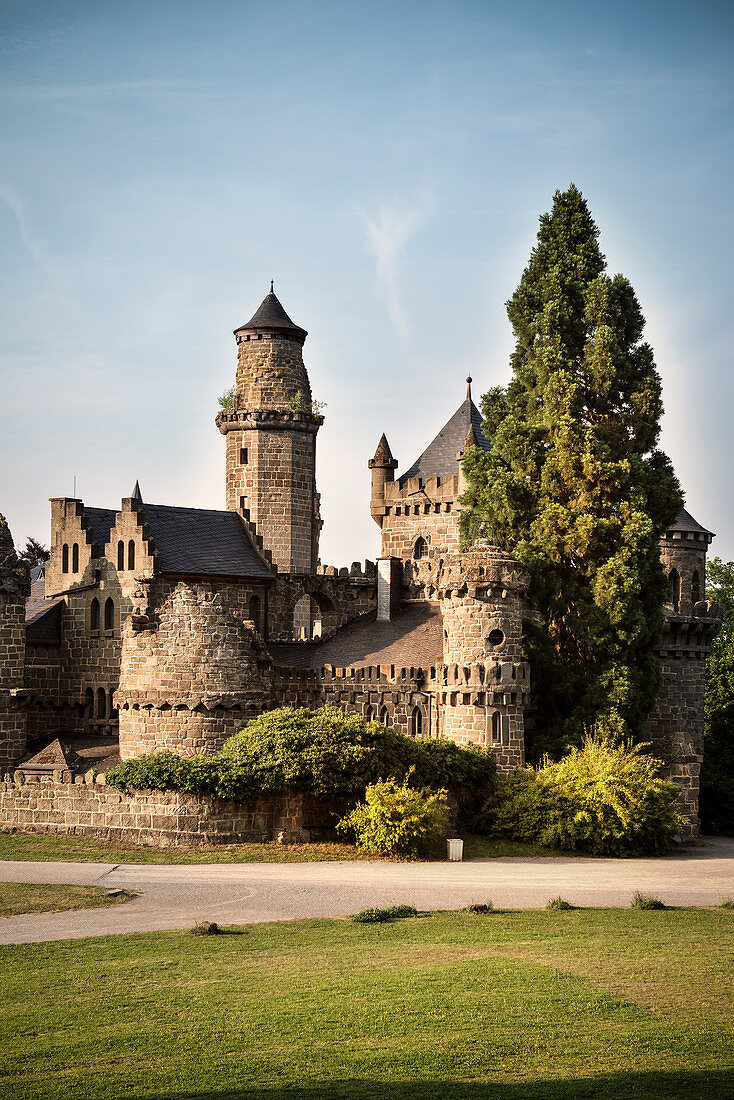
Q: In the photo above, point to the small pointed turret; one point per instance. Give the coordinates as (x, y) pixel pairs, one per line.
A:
(383, 458)
(271, 317)
(383, 467)
(136, 494)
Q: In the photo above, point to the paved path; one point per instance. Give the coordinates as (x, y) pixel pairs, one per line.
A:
(176, 896)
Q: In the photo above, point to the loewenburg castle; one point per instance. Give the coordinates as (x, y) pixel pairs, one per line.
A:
(155, 627)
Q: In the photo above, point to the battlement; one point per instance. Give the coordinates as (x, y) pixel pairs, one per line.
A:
(366, 575)
(390, 676)
(418, 491)
(297, 420)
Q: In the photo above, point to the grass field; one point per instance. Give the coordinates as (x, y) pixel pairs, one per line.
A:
(586, 1003)
(26, 846)
(32, 897)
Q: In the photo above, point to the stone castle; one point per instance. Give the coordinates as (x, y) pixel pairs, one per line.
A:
(155, 628)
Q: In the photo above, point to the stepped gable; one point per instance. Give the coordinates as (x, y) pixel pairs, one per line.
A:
(202, 542)
(413, 638)
(439, 458)
(271, 315)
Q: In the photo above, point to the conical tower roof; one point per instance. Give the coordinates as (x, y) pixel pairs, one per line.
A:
(383, 455)
(271, 315)
(439, 458)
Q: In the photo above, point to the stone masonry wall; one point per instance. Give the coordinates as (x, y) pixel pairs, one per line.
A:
(14, 587)
(421, 508)
(675, 727)
(85, 807)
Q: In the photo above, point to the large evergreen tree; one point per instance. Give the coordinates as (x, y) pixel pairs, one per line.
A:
(574, 485)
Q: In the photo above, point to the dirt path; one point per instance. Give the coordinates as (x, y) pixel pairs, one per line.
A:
(176, 896)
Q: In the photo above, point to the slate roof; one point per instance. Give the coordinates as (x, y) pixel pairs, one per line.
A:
(439, 458)
(686, 522)
(203, 542)
(42, 616)
(74, 751)
(101, 520)
(413, 638)
(270, 314)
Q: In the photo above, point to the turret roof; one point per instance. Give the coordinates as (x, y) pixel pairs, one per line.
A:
(439, 458)
(383, 455)
(686, 522)
(270, 314)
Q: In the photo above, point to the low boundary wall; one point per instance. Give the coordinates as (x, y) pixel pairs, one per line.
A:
(84, 806)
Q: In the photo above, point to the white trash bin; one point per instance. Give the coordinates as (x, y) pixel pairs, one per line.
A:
(454, 851)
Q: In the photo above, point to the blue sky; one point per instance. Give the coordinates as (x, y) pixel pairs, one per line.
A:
(386, 164)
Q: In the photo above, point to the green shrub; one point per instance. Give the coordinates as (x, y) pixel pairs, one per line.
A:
(559, 903)
(606, 798)
(645, 901)
(323, 752)
(479, 907)
(381, 916)
(396, 819)
(727, 903)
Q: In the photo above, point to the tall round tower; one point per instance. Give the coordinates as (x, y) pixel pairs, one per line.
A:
(14, 588)
(271, 439)
(486, 682)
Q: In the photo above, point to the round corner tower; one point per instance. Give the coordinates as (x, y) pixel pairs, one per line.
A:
(486, 682)
(14, 588)
(271, 439)
(191, 675)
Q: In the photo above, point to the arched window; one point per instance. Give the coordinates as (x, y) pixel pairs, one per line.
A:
(384, 716)
(675, 589)
(369, 714)
(75, 558)
(420, 548)
(695, 589)
(101, 703)
(131, 554)
(254, 611)
(109, 614)
(120, 555)
(89, 703)
(94, 614)
(111, 709)
(416, 722)
(65, 558)
(496, 735)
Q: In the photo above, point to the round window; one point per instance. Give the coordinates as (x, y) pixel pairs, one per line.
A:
(496, 637)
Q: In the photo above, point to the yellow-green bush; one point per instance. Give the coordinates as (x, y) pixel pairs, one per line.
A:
(396, 819)
(606, 798)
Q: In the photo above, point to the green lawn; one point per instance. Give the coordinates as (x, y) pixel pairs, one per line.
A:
(26, 846)
(587, 1003)
(32, 897)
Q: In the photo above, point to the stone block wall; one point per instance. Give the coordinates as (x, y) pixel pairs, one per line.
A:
(83, 806)
(340, 595)
(14, 588)
(421, 508)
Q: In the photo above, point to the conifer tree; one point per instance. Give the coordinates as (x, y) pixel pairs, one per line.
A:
(575, 486)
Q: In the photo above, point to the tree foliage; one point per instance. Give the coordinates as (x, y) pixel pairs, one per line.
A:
(34, 552)
(322, 752)
(717, 773)
(575, 486)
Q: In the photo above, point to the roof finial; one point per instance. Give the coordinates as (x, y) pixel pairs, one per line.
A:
(271, 286)
(468, 388)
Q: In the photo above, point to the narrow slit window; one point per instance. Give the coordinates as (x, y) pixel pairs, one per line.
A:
(94, 614)
(131, 554)
(120, 555)
(243, 456)
(75, 558)
(65, 558)
(109, 614)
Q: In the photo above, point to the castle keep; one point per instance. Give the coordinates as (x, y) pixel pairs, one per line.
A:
(156, 628)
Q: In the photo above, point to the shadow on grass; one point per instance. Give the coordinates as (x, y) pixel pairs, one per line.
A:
(713, 1085)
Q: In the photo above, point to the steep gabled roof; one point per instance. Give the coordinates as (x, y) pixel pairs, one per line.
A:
(203, 542)
(439, 458)
(270, 314)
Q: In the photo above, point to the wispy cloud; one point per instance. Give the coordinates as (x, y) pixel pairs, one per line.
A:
(388, 234)
(33, 244)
